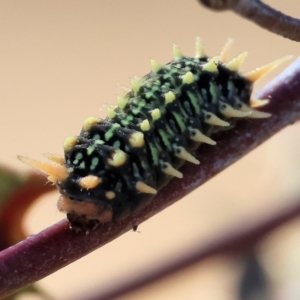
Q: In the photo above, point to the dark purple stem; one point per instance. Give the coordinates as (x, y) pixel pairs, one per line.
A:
(261, 14)
(237, 239)
(269, 18)
(42, 254)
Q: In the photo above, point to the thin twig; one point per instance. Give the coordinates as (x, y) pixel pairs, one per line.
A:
(42, 254)
(261, 14)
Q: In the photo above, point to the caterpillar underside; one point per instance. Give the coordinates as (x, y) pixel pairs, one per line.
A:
(116, 165)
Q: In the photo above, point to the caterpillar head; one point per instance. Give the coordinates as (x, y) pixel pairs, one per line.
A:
(92, 182)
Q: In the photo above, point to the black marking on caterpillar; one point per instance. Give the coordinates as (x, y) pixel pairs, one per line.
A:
(116, 165)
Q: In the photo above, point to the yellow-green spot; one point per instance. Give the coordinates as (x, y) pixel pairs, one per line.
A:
(94, 163)
(179, 121)
(196, 101)
(214, 92)
(116, 144)
(78, 157)
(141, 104)
(99, 142)
(165, 139)
(231, 89)
(96, 136)
(170, 131)
(170, 77)
(82, 165)
(110, 133)
(154, 154)
(136, 111)
(156, 88)
(183, 112)
(125, 122)
(90, 150)
(149, 95)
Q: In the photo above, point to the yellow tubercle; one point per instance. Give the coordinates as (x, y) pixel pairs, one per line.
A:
(110, 195)
(229, 112)
(90, 122)
(169, 97)
(258, 103)
(135, 84)
(145, 125)
(259, 72)
(124, 88)
(234, 65)
(122, 102)
(54, 171)
(155, 114)
(69, 143)
(225, 51)
(144, 188)
(55, 157)
(183, 154)
(136, 139)
(211, 65)
(176, 52)
(200, 52)
(111, 112)
(155, 66)
(188, 78)
(89, 182)
(118, 158)
(212, 119)
(201, 138)
(169, 170)
(255, 114)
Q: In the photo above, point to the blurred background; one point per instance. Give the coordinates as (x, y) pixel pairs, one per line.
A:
(61, 61)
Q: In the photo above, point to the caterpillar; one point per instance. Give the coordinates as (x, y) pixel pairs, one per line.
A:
(116, 165)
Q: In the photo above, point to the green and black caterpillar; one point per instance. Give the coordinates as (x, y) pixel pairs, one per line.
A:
(116, 165)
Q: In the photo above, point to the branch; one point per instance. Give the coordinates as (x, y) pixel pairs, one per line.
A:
(261, 14)
(237, 239)
(42, 254)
